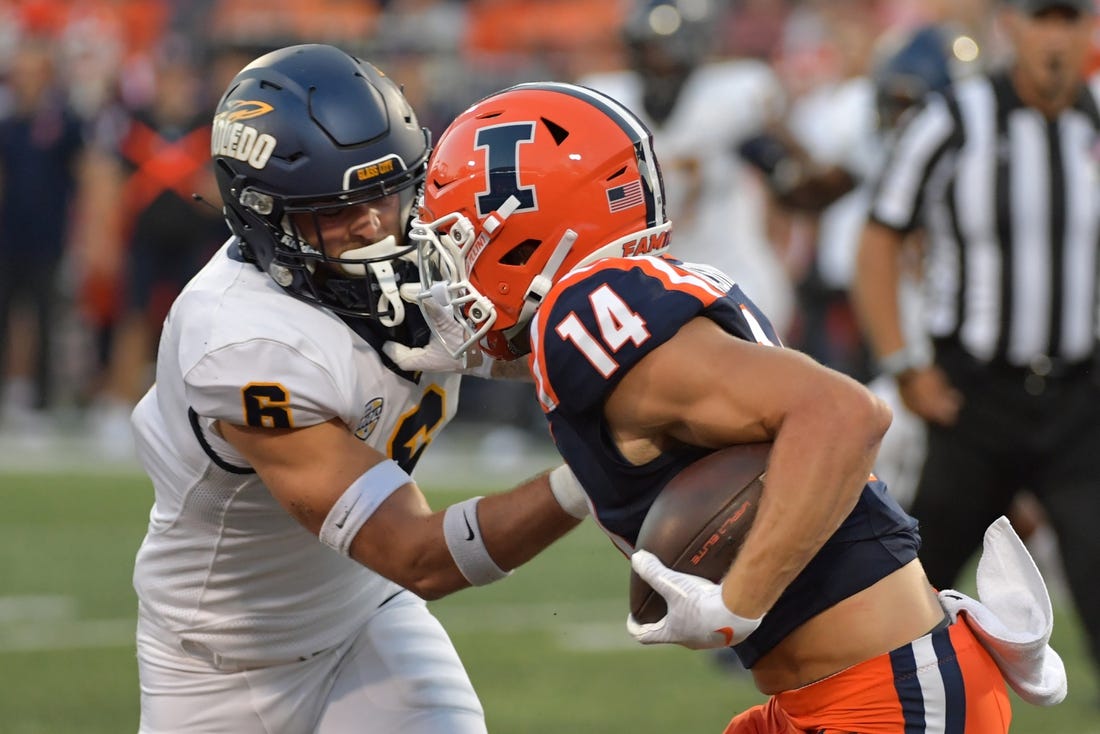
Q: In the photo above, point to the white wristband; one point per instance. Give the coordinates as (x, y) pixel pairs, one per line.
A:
(568, 492)
(905, 359)
(358, 503)
(462, 532)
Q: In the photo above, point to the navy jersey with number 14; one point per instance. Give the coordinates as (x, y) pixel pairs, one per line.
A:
(599, 321)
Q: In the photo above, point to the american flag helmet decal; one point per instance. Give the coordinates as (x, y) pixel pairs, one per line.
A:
(625, 196)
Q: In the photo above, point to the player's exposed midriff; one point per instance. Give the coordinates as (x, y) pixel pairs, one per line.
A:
(890, 613)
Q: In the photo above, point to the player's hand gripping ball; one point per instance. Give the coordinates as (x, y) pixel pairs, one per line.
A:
(699, 520)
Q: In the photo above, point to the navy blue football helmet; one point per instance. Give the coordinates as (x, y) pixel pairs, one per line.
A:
(666, 40)
(919, 66)
(301, 135)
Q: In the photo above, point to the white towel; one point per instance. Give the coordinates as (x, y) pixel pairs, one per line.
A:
(1014, 618)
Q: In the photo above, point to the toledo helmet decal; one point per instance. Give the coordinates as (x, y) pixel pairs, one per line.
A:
(231, 137)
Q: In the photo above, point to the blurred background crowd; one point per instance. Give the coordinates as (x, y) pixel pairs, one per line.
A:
(108, 206)
(106, 107)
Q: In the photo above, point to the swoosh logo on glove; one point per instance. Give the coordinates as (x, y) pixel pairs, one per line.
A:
(726, 632)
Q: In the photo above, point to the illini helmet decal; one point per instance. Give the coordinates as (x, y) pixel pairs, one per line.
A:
(522, 187)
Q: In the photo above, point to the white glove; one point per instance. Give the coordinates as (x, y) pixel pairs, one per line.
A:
(697, 617)
(433, 356)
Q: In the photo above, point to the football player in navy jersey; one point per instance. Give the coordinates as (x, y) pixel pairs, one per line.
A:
(542, 234)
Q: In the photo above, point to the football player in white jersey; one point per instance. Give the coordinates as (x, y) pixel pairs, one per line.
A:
(283, 577)
(713, 123)
(700, 112)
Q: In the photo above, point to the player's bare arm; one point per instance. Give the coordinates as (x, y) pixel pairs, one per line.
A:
(875, 289)
(923, 387)
(308, 470)
(825, 426)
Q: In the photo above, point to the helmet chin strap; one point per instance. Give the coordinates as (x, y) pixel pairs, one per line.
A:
(384, 275)
(540, 284)
(391, 295)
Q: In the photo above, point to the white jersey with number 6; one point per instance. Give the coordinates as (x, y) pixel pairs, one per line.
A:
(225, 569)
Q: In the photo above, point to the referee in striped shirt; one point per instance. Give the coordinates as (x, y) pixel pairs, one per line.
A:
(1002, 175)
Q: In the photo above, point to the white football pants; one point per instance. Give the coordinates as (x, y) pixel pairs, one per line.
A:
(401, 673)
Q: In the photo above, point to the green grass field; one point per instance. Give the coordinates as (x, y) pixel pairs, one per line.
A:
(547, 649)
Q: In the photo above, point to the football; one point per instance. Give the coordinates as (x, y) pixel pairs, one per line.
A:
(699, 520)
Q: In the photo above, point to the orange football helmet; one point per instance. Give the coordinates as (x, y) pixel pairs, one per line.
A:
(524, 186)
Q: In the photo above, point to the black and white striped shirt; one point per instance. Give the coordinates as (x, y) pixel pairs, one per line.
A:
(1010, 205)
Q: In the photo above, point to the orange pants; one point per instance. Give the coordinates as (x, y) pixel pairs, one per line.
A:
(942, 683)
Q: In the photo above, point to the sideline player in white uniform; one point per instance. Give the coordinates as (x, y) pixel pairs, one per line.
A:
(700, 112)
(282, 580)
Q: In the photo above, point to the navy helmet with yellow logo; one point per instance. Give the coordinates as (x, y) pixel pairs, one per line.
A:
(302, 134)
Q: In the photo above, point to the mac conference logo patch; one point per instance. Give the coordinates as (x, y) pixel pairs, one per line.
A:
(372, 413)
